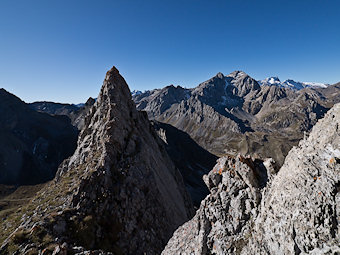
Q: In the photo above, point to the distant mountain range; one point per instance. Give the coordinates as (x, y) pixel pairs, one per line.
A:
(275, 81)
(236, 113)
(241, 114)
(271, 81)
(76, 113)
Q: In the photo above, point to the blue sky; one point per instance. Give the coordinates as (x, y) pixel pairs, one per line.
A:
(60, 50)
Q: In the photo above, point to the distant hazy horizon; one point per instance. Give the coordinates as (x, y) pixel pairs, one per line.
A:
(60, 51)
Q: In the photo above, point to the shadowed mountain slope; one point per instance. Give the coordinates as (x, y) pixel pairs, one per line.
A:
(191, 159)
(33, 144)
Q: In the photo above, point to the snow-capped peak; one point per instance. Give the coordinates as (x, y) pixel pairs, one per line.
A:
(136, 92)
(270, 81)
(296, 85)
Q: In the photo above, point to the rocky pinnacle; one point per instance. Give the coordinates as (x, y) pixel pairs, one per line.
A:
(119, 192)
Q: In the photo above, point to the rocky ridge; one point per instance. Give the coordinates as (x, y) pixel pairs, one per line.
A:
(253, 210)
(119, 192)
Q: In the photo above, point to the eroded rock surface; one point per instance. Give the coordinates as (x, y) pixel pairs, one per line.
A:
(224, 220)
(119, 192)
(252, 210)
(192, 160)
(300, 212)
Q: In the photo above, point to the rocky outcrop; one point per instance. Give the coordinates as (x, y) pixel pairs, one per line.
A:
(224, 220)
(32, 144)
(300, 211)
(253, 210)
(119, 192)
(233, 114)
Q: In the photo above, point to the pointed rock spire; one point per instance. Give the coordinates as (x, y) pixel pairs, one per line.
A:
(119, 192)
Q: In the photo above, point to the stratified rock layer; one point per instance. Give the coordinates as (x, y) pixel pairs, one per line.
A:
(253, 211)
(119, 192)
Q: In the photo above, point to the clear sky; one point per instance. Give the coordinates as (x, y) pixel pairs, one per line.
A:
(60, 50)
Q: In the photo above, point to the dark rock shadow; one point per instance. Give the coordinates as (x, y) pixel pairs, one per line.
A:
(191, 159)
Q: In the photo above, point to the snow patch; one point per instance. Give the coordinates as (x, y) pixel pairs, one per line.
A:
(296, 85)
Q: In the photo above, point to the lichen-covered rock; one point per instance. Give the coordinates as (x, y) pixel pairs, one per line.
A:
(119, 192)
(300, 213)
(251, 211)
(224, 220)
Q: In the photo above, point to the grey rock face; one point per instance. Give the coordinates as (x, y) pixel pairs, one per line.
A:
(252, 210)
(206, 126)
(300, 211)
(157, 101)
(119, 192)
(224, 220)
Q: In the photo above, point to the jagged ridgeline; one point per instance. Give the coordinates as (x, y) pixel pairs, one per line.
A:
(231, 114)
(119, 192)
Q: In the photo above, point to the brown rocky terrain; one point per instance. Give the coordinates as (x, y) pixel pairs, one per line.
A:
(252, 209)
(120, 192)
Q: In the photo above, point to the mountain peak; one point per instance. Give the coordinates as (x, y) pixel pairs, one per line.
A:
(111, 73)
(219, 75)
(237, 74)
(115, 91)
